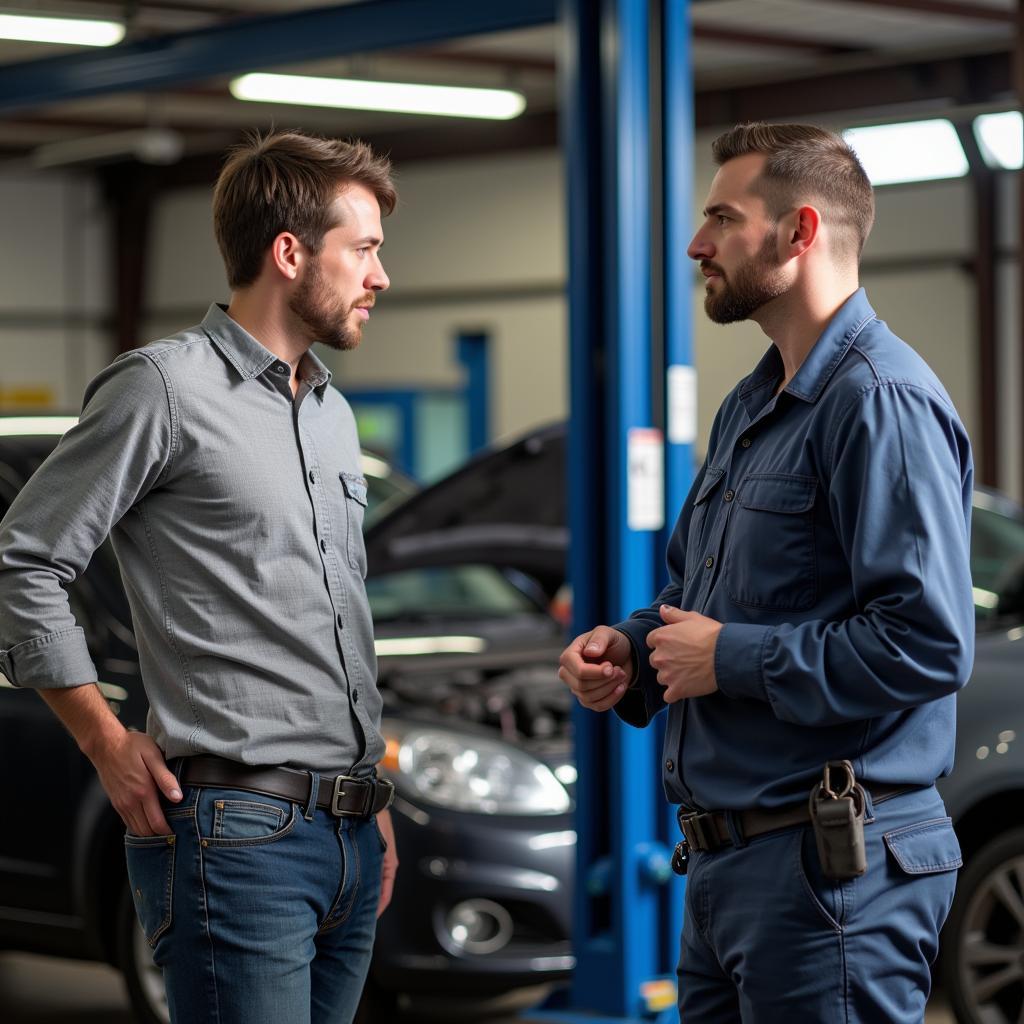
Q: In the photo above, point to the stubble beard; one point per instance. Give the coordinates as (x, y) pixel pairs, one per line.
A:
(754, 284)
(326, 318)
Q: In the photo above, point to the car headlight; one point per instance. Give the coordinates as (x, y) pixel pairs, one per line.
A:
(471, 773)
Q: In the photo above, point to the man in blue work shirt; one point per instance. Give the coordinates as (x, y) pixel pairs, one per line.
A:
(819, 609)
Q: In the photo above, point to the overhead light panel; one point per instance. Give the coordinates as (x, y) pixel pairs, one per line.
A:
(1001, 139)
(911, 151)
(394, 97)
(70, 31)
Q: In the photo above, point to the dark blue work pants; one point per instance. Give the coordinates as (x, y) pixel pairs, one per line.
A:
(768, 939)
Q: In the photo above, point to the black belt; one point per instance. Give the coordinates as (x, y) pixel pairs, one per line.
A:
(343, 795)
(708, 831)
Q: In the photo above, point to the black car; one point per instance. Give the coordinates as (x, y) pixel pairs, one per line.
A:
(477, 744)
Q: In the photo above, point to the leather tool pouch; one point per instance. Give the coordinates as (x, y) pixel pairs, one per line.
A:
(837, 815)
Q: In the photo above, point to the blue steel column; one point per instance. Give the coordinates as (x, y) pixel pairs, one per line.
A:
(621, 901)
(677, 106)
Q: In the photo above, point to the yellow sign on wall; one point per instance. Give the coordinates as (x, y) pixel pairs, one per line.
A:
(19, 397)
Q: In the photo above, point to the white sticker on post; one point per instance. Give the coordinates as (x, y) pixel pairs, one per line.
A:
(682, 404)
(645, 505)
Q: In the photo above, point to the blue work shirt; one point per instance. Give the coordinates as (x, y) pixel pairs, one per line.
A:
(829, 530)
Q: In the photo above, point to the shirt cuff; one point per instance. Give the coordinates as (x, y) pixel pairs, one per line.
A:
(55, 661)
(739, 660)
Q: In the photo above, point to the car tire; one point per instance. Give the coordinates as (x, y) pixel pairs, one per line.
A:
(142, 978)
(983, 941)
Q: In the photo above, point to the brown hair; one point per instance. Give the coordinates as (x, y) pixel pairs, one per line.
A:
(806, 162)
(287, 181)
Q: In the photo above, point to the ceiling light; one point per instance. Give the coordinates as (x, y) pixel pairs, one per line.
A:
(911, 151)
(1001, 139)
(72, 31)
(396, 97)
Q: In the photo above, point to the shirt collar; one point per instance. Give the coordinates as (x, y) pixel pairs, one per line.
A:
(249, 357)
(817, 368)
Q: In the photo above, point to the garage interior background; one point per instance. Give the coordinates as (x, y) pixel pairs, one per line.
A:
(104, 251)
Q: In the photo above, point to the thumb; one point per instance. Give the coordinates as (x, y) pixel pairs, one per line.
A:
(595, 646)
(162, 776)
(672, 614)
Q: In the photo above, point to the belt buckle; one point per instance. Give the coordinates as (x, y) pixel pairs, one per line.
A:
(693, 830)
(339, 794)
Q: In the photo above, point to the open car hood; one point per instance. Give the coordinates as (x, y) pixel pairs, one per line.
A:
(505, 507)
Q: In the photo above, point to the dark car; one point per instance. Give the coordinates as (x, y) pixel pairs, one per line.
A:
(477, 744)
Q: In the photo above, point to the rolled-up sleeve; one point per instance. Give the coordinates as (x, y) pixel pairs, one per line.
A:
(899, 497)
(118, 451)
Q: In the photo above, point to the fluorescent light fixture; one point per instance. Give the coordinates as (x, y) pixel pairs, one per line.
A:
(1001, 139)
(35, 425)
(911, 151)
(396, 97)
(72, 31)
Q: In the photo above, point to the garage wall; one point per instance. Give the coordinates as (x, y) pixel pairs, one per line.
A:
(53, 290)
(478, 244)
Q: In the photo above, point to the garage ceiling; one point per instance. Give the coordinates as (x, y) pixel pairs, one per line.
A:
(752, 58)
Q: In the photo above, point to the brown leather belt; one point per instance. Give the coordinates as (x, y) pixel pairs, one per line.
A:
(343, 795)
(708, 831)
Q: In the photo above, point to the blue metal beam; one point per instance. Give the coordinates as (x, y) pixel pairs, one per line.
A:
(247, 44)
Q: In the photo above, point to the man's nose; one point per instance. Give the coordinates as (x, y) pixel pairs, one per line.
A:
(378, 280)
(700, 248)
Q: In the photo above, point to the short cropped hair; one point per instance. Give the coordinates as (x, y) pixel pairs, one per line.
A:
(807, 163)
(288, 181)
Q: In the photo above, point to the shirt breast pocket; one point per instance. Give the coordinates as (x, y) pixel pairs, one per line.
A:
(697, 535)
(354, 488)
(770, 561)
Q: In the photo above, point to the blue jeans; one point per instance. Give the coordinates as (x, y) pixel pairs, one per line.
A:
(258, 910)
(767, 938)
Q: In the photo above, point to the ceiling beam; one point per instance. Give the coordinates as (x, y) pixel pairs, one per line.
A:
(955, 81)
(249, 43)
(950, 8)
(770, 40)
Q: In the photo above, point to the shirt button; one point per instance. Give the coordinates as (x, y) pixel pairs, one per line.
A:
(281, 368)
(670, 766)
(341, 624)
(312, 477)
(746, 442)
(729, 495)
(709, 562)
(323, 546)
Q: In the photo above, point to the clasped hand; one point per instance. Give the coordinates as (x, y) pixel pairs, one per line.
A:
(683, 653)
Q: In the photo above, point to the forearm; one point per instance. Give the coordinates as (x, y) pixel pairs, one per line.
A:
(87, 716)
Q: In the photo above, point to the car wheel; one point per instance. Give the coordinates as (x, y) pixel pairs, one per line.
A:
(143, 979)
(983, 941)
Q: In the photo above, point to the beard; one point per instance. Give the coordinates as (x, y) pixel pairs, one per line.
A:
(753, 284)
(326, 317)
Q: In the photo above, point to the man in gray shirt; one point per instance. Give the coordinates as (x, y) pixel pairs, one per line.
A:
(226, 470)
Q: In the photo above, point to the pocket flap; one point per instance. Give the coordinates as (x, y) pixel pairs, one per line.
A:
(926, 847)
(712, 478)
(355, 487)
(775, 493)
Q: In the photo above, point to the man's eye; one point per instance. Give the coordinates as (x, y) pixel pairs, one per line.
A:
(722, 219)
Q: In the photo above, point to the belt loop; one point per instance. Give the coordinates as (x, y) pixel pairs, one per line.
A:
(732, 823)
(314, 791)
(869, 806)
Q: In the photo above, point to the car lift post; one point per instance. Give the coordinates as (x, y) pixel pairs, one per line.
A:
(628, 904)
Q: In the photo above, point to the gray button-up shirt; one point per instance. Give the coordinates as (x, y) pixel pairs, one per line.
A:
(236, 514)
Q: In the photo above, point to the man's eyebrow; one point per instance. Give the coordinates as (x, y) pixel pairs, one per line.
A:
(369, 240)
(717, 208)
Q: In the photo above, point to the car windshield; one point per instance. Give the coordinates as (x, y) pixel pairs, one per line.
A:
(997, 565)
(446, 592)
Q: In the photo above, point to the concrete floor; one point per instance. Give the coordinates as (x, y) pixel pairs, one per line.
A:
(45, 990)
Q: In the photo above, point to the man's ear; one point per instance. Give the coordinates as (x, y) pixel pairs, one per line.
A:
(802, 227)
(286, 255)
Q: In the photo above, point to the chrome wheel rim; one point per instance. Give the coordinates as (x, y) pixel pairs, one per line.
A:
(991, 947)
